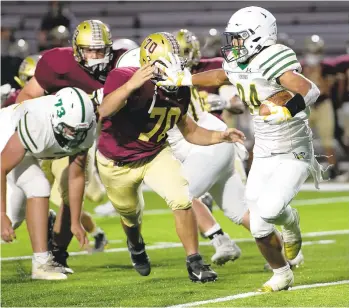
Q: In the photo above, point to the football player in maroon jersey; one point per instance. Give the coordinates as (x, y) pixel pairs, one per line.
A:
(132, 148)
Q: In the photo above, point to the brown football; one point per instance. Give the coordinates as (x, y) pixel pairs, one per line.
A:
(279, 99)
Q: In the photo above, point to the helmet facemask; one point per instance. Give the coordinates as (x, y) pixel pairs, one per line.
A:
(98, 65)
(235, 49)
(71, 137)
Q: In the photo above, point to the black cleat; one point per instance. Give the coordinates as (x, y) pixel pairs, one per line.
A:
(60, 256)
(51, 222)
(100, 242)
(140, 259)
(198, 271)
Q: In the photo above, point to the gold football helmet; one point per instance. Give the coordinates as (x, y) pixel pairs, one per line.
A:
(158, 45)
(93, 35)
(190, 46)
(27, 69)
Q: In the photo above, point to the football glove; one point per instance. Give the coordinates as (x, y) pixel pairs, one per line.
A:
(175, 73)
(278, 114)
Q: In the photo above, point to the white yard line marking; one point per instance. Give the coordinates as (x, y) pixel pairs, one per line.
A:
(251, 294)
(320, 201)
(302, 202)
(166, 245)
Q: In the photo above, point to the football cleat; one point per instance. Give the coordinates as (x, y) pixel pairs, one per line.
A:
(100, 242)
(297, 261)
(60, 256)
(51, 222)
(278, 282)
(49, 270)
(140, 259)
(292, 238)
(200, 272)
(226, 249)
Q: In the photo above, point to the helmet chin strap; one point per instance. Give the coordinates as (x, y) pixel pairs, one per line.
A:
(94, 62)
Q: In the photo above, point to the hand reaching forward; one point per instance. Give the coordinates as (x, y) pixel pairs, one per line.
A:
(175, 75)
(141, 76)
(233, 135)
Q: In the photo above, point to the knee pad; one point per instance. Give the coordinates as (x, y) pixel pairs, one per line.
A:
(270, 208)
(259, 227)
(38, 188)
(179, 204)
(131, 218)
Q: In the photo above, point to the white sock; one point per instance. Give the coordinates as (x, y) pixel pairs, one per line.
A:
(212, 230)
(41, 257)
(282, 270)
(97, 230)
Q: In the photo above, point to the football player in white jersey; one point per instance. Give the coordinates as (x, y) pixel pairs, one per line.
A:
(283, 150)
(207, 168)
(47, 127)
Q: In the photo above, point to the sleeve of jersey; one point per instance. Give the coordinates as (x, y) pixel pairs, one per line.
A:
(44, 73)
(116, 79)
(283, 59)
(30, 134)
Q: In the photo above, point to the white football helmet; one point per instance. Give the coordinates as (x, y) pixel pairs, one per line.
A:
(248, 31)
(72, 117)
(124, 44)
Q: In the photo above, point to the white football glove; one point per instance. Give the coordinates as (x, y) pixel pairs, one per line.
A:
(279, 114)
(97, 97)
(175, 75)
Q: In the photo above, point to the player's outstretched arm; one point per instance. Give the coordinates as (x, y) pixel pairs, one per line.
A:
(31, 90)
(11, 156)
(76, 180)
(195, 134)
(210, 78)
(116, 99)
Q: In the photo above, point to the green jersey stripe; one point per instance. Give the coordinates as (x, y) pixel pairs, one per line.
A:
(271, 58)
(82, 105)
(22, 137)
(282, 67)
(278, 61)
(26, 129)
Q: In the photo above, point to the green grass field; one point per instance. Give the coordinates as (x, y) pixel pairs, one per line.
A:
(108, 279)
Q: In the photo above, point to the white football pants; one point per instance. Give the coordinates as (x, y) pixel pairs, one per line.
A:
(25, 181)
(271, 185)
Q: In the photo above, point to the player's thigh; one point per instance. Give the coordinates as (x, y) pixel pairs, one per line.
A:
(286, 180)
(205, 165)
(164, 175)
(60, 171)
(122, 185)
(229, 194)
(325, 124)
(257, 178)
(15, 204)
(30, 178)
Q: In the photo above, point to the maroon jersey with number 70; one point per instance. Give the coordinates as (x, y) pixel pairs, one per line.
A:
(137, 130)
